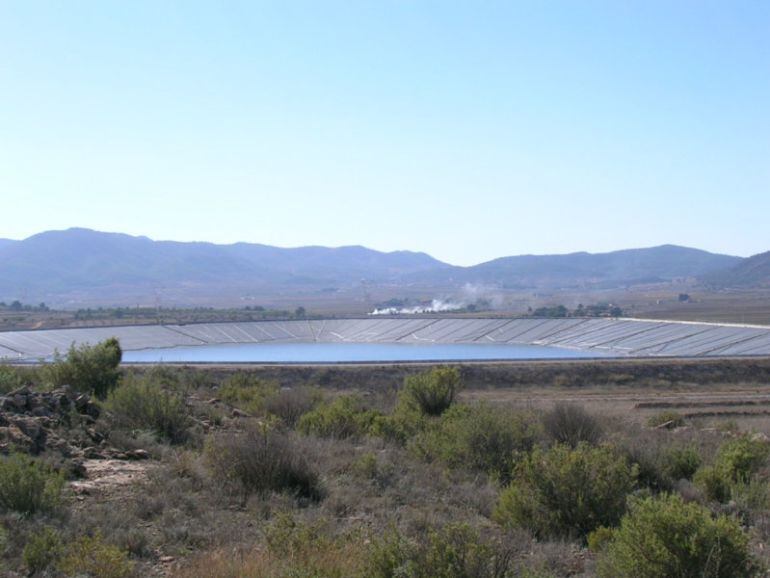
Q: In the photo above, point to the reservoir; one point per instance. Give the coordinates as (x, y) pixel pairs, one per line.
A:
(349, 353)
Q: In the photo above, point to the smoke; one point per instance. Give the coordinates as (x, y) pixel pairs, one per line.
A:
(480, 297)
(484, 295)
(435, 306)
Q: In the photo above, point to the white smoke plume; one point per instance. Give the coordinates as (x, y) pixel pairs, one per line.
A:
(435, 306)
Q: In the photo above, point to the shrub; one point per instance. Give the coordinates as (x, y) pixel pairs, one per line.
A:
(672, 418)
(664, 536)
(454, 551)
(88, 368)
(344, 417)
(434, 391)
(291, 404)
(571, 424)
(681, 463)
(140, 404)
(403, 424)
(247, 392)
(735, 463)
(564, 492)
(92, 556)
(599, 538)
(42, 550)
(740, 457)
(294, 549)
(751, 499)
(366, 466)
(649, 451)
(28, 486)
(714, 483)
(10, 379)
(261, 461)
(478, 437)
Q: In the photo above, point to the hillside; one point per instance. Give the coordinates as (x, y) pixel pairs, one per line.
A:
(616, 268)
(81, 264)
(81, 259)
(751, 272)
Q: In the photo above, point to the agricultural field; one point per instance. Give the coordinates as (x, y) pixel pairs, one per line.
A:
(592, 468)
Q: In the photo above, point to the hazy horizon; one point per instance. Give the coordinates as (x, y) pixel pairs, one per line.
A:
(404, 249)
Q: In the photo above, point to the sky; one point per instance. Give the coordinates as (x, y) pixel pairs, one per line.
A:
(468, 130)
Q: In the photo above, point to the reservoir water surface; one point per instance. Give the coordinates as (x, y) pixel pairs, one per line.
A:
(350, 353)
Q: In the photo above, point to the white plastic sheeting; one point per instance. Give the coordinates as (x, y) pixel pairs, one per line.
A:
(622, 337)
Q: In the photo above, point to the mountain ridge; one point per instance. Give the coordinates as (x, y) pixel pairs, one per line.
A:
(85, 262)
(753, 271)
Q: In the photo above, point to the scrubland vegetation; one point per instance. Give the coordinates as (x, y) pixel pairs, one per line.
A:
(245, 478)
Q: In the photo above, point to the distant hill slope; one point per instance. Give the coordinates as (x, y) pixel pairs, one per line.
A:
(662, 263)
(85, 265)
(81, 259)
(751, 272)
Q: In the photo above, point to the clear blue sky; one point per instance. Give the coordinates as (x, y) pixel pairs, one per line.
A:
(469, 130)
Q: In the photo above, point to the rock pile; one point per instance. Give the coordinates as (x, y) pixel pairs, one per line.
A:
(61, 420)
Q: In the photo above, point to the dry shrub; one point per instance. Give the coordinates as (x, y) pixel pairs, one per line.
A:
(345, 417)
(143, 404)
(570, 424)
(291, 404)
(92, 556)
(434, 391)
(292, 549)
(28, 486)
(668, 418)
(259, 460)
(247, 392)
(478, 437)
(455, 550)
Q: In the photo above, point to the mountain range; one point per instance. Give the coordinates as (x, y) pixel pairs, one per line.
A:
(84, 262)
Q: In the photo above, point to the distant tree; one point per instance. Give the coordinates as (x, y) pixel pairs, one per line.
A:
(299, 312)
(16, 306)
(684, 297)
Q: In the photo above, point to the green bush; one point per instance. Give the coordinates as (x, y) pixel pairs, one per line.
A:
(735, 463)
(247, 392)
(571, 424)
(564, 492)
(28, 486)
(663, 536)
(434, 391)
(140, 404)
(403, 424)
(92, 556)
(342, 418)
(87, 368)
(599, 538)
(42, 550)
(681, 463)
(367, 467)
(454, 551)
(715, 484)
(260, 461)
(739, 458)
(478, 437)
(10, 379)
